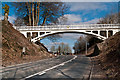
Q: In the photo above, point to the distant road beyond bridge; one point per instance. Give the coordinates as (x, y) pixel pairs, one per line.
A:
(100, 31)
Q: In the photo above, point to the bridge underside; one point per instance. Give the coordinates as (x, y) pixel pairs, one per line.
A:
(38, 35)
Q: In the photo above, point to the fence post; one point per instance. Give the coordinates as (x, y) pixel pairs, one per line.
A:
(23, 52)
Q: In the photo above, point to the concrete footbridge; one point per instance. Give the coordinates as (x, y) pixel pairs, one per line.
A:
(100, 31)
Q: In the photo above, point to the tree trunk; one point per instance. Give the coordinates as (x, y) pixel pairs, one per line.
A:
(36, 15)
(38, 4)
(44, 20)
(29, 9)
(6, 18)
(33, 13)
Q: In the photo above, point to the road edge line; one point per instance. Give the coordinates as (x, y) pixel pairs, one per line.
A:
(91, 70)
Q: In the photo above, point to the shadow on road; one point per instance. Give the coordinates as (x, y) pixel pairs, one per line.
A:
(70, 78)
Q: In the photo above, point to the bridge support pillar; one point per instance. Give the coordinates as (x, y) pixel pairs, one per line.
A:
(91, 31)
(24, 33)
(107, 33)
(45, 32)
(98, 32)
(38, 34)
(115, 31)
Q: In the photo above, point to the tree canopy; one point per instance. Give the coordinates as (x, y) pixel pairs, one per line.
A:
(82, 42)
(40, 13)
(113, 18)
(6, 8)
(61, 48)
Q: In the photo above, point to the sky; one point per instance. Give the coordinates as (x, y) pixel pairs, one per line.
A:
(80, 12)
(61, 0)
(83, 13)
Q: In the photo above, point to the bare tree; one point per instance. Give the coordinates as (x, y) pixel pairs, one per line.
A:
(64, 48)
(37, 13)
(63, 20)
(52, 49)
(6, 12)
(50, 12)
(33, 14)
(19, 22)
(110, 19)
(29, 10)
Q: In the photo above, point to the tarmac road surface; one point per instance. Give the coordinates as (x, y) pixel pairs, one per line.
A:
(62, 67)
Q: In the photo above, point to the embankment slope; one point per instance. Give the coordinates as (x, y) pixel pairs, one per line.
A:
(110, 55)
(12, 44)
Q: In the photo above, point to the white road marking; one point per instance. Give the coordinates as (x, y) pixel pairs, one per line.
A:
(44, 71)
(62, 64)
(91, 70)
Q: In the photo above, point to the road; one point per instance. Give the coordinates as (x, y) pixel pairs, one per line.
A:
(69, 67)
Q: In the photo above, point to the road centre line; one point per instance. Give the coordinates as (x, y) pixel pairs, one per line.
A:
(19, 65)
(44, 71)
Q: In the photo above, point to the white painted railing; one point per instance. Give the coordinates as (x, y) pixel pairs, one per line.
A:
(58, 27)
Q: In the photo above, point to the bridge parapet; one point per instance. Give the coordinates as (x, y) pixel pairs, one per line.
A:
(59, 27)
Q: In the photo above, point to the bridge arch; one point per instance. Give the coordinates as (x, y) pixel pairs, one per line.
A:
(70, 31)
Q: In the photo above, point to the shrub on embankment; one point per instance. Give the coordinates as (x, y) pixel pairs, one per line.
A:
(12, 44)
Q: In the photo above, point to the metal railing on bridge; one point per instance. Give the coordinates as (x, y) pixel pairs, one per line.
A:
(58, 27)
